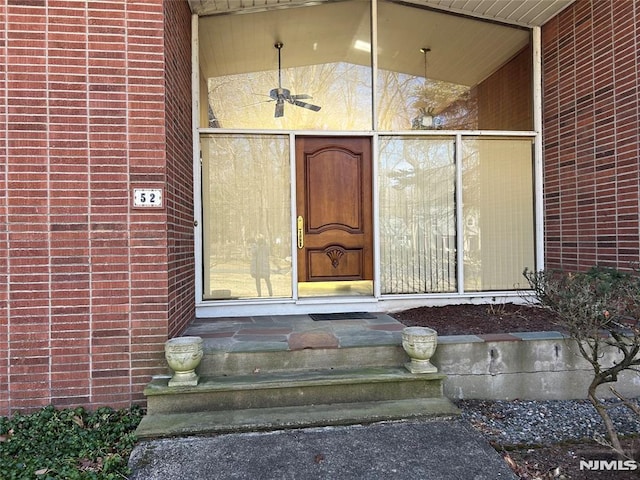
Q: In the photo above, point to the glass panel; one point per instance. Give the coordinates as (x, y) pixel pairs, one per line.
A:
(246, 216)
(498, 212)
(417, 215)
(440, 71)
(325, 62)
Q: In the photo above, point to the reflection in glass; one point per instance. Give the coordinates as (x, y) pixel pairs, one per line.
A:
(342, 90)
(325, 57)
(477, 75)
(498, 215)
(417, 215)
(406, 102)
(441, 71)
(246, 216)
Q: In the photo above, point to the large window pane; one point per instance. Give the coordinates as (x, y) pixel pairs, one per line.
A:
(246, 216)
(498, 215)
(417, 215)
(325, 58)
(441, 71)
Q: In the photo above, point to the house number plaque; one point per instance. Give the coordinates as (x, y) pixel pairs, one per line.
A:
(147, 198)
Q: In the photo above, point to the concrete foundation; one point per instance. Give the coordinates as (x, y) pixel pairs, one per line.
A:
(529, 365)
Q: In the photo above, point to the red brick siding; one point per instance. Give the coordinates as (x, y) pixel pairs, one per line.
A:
(84, 277)
(505, 99)
(179, 145)
(4, 234)
(591, 138)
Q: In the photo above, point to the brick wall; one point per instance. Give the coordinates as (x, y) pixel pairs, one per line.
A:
(591, 79)
(505, 98)
(179, 194)
(4, 234)
(84, 277)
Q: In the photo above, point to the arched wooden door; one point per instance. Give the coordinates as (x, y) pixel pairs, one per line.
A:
(334, 211)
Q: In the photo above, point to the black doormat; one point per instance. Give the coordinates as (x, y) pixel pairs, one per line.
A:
(318, 317)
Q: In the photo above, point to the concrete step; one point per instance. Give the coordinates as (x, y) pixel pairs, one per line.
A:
(240, 346)
(276, 418)
(273, 373)
(285, 389)
(217, 362)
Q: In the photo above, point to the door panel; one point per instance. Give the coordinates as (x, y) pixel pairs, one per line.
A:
(334, 200)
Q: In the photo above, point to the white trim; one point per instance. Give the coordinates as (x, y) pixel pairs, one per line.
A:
(373, 13)
(294, 216)
(306, 133)
(459, 216)
(375, 211)
(537, 151)
(471, 10)
(197, 162)
(387, 303)
(365, 133)
(465, 133)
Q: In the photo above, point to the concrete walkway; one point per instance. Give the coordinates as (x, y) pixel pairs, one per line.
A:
(425, 450)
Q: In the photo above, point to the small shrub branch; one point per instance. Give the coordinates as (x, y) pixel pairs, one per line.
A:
(600, 309)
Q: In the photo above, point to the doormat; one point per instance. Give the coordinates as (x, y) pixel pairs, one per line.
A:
(318, 317)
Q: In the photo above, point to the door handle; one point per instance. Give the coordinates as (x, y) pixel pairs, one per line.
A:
(300, 232)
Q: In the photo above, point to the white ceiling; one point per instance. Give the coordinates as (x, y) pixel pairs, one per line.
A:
(464, 51)
(519, 12)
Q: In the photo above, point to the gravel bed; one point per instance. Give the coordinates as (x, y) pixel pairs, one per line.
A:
(527, 422)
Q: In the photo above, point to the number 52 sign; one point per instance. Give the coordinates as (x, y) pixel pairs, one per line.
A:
(147, 198)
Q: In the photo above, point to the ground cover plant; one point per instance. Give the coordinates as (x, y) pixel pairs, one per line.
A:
(68, 443)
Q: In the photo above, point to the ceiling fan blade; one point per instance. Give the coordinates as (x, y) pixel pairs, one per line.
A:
(308, 106)
(256, 103)
(279, 109)
(281, 95)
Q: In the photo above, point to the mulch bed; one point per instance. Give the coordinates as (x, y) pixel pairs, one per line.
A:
(479, 319)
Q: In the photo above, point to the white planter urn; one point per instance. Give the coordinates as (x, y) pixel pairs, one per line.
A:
(420, 344)
(183, 355)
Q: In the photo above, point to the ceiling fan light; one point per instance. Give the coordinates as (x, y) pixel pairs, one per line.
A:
(362, 46)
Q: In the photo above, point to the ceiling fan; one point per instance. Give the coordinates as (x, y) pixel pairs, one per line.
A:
(282, 95)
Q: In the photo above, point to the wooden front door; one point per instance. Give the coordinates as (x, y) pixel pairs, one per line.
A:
(334, 197)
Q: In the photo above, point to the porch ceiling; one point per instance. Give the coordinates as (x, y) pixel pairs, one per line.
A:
(520, 12)
(463, 51)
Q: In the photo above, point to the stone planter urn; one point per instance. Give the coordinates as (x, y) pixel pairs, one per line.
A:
(183, 355)
(420, 344)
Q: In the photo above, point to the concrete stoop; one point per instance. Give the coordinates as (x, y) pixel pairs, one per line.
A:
(241, 400)
(280, 418)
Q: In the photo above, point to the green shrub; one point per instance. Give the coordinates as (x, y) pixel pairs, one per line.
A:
(70, 444)
(600, 309)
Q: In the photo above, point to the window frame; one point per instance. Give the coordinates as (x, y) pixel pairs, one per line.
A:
(378, 302)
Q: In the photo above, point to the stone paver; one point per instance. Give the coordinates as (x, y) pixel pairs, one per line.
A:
(302, 340)
(294, 332)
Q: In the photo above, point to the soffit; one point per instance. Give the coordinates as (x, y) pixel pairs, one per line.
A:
(520, 12)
